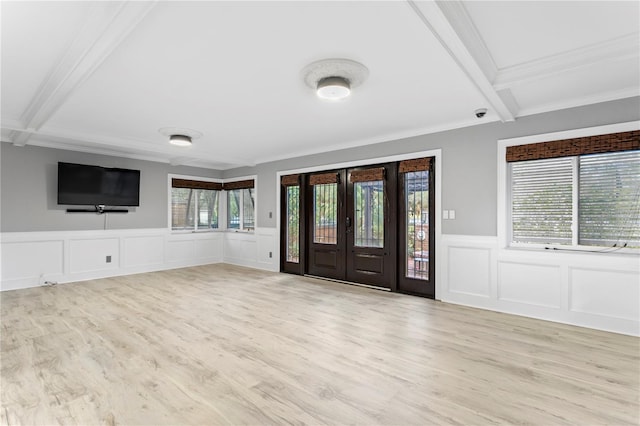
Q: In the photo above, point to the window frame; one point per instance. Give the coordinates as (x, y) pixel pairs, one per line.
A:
(241, 205)
(504, 219)
(221, 211)
(222, 204)
(254, 178)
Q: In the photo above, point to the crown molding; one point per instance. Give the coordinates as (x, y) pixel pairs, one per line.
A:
(196, 162)
(614, 95)
(47, 143)
(14, 128)
(387, 137)
(11, 124)
(105, 29)
(128, 148)
(626, 47)
(451, 25)
(81, 142)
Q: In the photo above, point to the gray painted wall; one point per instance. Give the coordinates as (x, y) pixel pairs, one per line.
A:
(28, 175)
(469, 162)
(28, 185)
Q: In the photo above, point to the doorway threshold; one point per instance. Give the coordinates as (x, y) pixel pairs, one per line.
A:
(374, 287)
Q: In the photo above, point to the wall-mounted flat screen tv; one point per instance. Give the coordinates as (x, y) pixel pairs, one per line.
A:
(80, 184)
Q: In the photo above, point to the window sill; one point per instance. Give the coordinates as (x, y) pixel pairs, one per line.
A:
(574, 250)
(191, 231)
(208, 231)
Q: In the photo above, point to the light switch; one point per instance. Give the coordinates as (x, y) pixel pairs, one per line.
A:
(452, 214)
(445, 214)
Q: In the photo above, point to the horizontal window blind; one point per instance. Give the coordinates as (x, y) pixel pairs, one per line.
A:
(195, 184)
(240, 184)
(324, 179)
(541, 201)
(367, 175)
(609, 199)
(596, 144)
(290, 180)
(415, 165)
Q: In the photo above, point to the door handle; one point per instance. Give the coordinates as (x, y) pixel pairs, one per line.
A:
(348, 222)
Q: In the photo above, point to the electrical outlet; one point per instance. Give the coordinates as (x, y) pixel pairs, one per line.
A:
(445, 214)
(108, 259)
(270, 215)
(452, 214)
(270, 254)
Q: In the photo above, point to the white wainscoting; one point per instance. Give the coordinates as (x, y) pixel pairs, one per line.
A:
(31, 258)
(596, 290)
(256, 249)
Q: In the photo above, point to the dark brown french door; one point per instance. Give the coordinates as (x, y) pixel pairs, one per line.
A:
(326, 225)
(350, 232)
(369, 225)
(416, 217)
(292, 224)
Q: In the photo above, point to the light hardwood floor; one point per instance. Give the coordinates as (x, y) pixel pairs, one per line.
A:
(221, 344)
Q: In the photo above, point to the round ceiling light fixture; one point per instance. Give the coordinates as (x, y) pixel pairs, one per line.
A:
(180, 140)
(180, 136)
(333, 79)
(333, 88)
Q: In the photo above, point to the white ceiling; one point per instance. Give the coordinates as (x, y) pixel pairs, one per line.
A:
(103, 77)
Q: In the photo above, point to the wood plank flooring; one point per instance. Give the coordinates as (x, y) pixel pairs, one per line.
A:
(221, 344)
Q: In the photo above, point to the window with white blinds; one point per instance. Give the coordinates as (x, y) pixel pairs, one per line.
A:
(608, 204)
(542, 201)
(586, 200)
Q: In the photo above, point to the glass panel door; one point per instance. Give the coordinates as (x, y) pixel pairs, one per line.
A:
(370, 225)
(417, 224)
(369, 213)
(416, 212)
(293, 224)
(326, 225)
(325, 213)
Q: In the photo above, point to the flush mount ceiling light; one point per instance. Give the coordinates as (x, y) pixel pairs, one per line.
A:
(333, 79)
(180, 140)
(333, 88)
(180, 136)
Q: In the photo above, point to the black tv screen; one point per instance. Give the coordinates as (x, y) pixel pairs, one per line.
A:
(80, 184)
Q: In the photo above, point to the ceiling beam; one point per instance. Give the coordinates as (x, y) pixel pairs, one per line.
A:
(450, 23)
(100, 35)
